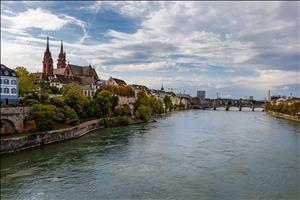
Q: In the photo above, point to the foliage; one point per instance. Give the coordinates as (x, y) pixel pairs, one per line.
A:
(30, 102)
(119, 90)
(168, 103)
(104, 103)
(142, 99)
(181, 106)
(46, 116)
(114, 121)
(71, 116)
(156, 105)
(26, 80)
(291, 109)
(123, 110)
(143, 113)
(88, 109)
(74, 97)
(58, 102)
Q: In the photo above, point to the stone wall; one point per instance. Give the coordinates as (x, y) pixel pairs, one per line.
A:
(38, 139)
(13, 119)
(126, 100)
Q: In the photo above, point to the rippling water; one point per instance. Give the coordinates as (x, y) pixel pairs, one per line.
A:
(185, 155)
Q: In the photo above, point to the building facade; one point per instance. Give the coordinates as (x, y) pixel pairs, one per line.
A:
(9, 86)
(85, 76)
(201, 94)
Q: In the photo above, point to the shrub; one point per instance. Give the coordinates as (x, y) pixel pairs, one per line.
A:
(123, 111)
(143, 113)
(46, 116)
(57, 101)
(71, 116)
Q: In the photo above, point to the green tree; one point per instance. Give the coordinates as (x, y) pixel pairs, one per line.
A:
(168, 103)
(123, 110)
(74, 97)
(103, 103)
(26, 81)
(71, 116)
(143, 113)
(142, 99)
(46, 116)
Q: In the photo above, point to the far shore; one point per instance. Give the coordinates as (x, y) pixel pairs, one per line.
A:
(284, 116)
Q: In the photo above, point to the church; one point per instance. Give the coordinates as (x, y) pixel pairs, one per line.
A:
(85, 76)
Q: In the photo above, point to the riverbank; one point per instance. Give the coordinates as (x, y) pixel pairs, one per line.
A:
(25, 141)
(284, 116)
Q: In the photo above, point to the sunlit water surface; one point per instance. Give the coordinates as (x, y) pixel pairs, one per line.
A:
(185, 155)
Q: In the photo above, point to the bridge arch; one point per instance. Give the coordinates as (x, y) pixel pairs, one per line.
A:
(7, 127)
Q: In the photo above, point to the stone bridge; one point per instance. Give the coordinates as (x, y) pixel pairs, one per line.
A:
(14, 119)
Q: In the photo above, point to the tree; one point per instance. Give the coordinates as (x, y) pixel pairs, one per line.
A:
(156, 105)
(123, 110)
(71, 116)
(143, 113)
(26, 80)
(104, 103)
(168, 103)
(142, 99)
(74, 97)
(46, 116)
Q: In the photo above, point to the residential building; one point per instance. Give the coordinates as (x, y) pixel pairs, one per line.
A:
(9, 85)
(115, 82)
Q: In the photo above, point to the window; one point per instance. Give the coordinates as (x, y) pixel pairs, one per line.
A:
(0, 90)
(6, 81)
(0, 81)
(13, 82)
(13, 90)
(6, 90)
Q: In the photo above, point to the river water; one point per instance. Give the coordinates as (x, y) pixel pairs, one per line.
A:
(184, 155)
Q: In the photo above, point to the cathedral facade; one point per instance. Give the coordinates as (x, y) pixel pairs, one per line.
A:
(85, 76)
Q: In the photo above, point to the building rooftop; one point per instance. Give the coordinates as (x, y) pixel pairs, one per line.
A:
(5, 71)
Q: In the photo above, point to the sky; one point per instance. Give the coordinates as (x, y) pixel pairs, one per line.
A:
(238, 49)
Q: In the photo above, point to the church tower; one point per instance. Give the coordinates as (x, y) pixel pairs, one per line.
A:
(61, 61)
(47, 62)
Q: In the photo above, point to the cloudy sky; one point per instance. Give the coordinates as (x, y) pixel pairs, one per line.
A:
(236, 49)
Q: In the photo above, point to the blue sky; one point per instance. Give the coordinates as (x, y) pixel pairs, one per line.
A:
(237, 49)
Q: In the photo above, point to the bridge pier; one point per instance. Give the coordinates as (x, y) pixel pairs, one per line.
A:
(227, 107)
(253, 108)
(240, 107)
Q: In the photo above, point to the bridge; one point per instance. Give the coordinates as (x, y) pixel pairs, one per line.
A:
(227, 103)
(14, 120)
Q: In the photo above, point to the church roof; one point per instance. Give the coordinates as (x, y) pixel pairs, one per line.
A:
(59, 78)
(83, 70)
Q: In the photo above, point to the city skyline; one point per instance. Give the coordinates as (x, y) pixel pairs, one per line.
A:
(235, 49)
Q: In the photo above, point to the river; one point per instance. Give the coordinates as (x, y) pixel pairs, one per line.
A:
(185, 155)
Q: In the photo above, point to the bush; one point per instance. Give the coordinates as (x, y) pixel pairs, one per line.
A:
(71, 116)
(114, 121)
(123, 111)
(31, 102)
(46, 116)
(57, 101)
(143, 113)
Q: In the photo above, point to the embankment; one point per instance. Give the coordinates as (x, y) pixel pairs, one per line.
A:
(19, 143)
(284, 116)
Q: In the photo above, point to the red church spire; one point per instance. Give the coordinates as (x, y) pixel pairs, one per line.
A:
(47, 62)
(61, 61)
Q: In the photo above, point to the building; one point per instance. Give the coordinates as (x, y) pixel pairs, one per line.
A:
(201, 94)
(9, 85)
(115, 82)
(85, 76)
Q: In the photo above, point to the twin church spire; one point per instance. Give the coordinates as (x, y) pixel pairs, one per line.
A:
(48, 62)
